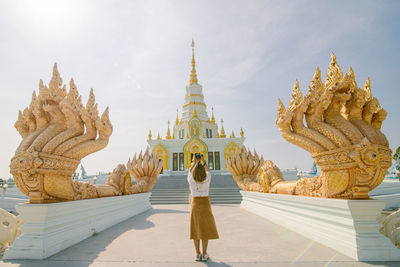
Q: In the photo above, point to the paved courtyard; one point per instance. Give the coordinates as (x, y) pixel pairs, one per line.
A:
(159, 237)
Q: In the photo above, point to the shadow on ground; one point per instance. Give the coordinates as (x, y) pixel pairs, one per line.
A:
(101, 240)
(160, 237)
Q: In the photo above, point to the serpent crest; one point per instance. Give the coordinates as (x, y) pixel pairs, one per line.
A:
(57, 131)
(339, 124)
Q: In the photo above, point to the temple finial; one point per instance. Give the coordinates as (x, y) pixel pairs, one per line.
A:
(194, 110)
(212, 116)
(193, 75)
(168, 132)
(177, 118)
(222, 135)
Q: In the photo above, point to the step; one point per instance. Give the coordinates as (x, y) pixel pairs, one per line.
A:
(181, 195)
(187, 202)
(169, 202)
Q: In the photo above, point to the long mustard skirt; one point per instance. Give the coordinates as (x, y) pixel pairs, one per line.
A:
(202, 222)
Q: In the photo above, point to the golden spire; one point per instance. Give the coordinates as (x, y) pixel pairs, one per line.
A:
(217, 135)
(149, 135)
(168, 132)
(223, 135)
(233, 134)
(194, 110)
(177, 118)
(241, 132)
(187, 135)
(173, 135)
(193, 75)
(202, 135)
(212, 116)
(158, 136)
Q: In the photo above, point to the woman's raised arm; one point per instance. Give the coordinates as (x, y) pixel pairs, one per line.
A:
(194, 165)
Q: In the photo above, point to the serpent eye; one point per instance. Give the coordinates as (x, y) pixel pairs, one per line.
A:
(371, 156)
(21, 161)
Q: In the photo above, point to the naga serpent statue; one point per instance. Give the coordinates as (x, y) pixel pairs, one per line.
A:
(57, 132)
(10, 229)
(244, 167)
(342, 134)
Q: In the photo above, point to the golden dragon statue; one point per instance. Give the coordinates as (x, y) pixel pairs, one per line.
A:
(57, 131)
(342, 132)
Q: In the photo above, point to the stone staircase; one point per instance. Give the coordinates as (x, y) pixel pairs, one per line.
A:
(174, 189)
(170, 196)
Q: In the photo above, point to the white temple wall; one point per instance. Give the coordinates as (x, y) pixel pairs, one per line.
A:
(213, 145)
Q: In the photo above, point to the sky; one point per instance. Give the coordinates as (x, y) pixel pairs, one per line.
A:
(136, 56)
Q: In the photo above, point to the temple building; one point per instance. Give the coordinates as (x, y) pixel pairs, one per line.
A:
(194, 132)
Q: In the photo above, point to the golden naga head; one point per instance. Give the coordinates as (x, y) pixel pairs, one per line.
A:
(342, 133)
(244, 167)
(145, 169)
(57, 132)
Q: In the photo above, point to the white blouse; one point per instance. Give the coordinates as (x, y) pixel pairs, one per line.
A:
(199, 189)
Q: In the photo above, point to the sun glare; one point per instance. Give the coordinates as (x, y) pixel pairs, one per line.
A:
(45, 12)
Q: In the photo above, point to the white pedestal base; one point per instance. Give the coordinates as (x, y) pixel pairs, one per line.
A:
(348, 226)
(388, 191)
(9, 203)
(50, 228)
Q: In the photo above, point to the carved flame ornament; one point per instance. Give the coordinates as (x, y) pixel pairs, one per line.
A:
(342, 134)
(57, 132)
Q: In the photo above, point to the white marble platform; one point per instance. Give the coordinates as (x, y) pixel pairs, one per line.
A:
(348, 226)
(392, 200)
(9, 203)
(50, 228)
(388, 191)
(387, 187)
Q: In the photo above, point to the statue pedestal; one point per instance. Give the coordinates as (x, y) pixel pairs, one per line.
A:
(50, 228)
(348, 226)
(388, 191)
(9, 203)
